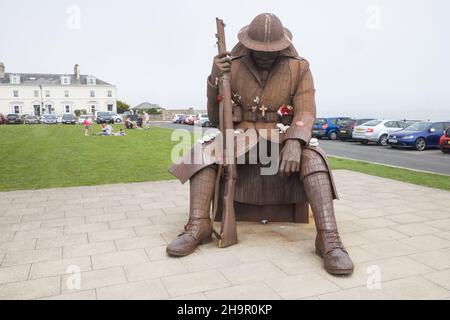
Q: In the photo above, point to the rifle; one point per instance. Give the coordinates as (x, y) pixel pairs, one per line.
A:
(227, 170)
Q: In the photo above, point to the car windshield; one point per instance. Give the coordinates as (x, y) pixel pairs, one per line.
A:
(362, 121)
(49, 116)
(346, 122)
(372, 123)
(67, 116)
(419, 126)
(103, 114)
(320, 121)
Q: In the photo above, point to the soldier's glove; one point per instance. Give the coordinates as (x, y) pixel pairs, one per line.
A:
(290, 157)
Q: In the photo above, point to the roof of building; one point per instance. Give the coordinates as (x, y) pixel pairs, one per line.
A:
(49, 79)
(146, 105)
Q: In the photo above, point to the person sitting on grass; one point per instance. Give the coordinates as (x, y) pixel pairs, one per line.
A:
(121, 133)
(106, 130)
(129, 124)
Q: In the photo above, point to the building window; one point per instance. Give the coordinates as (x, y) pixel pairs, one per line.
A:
(110, 107)
(109, 94)
(16, 109)
(65, 80)
(37, 109)
(92, 93)
(93, 109)
(66, 94)
(36, 93)
(47, 93)
(67, 109)
(16, 93)
(48, 108)
(15, 79)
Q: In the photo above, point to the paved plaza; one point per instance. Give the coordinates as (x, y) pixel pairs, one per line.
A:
(108, 242)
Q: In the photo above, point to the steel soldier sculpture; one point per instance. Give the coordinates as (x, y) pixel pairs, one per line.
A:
(269, 79)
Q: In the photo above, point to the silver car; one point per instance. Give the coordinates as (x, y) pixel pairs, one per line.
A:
(49, 119)
(202, 120)
(377, 131)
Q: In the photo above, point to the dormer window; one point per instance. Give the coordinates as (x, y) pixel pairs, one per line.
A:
(15, 79)
(65, 80)
(91, 81)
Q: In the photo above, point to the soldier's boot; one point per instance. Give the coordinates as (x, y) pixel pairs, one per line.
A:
(318, 189)
(198, 230)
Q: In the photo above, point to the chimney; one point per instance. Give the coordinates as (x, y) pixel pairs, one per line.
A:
(2, 70)
(77, 72)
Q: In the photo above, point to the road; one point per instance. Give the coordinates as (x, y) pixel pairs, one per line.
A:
(429, 160)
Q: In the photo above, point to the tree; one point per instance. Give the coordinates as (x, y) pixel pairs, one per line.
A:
(80, 112)
(153, 111)
(122, 107)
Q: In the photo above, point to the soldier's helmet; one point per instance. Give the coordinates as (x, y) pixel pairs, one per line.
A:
(265, 33)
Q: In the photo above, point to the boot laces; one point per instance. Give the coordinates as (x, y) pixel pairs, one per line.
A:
(191, 227)
(333, 240)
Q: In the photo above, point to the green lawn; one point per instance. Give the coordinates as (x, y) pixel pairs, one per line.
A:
(35, 157)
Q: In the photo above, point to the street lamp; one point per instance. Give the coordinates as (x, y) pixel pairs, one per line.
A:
(42, 101)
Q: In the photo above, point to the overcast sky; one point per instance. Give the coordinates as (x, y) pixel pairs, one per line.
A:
(377, 58)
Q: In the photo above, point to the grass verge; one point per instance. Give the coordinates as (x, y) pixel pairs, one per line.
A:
(415, 177)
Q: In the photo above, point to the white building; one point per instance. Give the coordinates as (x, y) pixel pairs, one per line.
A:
(38, 94)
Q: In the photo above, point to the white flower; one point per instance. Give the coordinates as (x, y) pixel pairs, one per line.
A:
(314, 142)
(207, 138)
(282, 127)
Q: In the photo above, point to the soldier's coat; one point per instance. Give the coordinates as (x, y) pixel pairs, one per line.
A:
(289, 82)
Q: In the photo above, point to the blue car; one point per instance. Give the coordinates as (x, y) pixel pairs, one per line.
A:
(419, 135)
(327, 127)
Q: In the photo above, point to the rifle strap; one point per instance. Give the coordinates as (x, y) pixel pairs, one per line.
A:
(216, 199)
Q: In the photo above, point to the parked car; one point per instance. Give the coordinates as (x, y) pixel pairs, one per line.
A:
(13, 118)
(105, 117)
(346, 128)
(189, 119)
(377, 131)
(183, 117)
(32, 119)
(202, 120)
(117, 118)
(327, 127)
(444, 142)
(177, 118)
(68, 119)
(2, 119)
(49, 119)
(419, 135)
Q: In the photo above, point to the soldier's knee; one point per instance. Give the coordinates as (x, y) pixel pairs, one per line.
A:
(312, 162)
